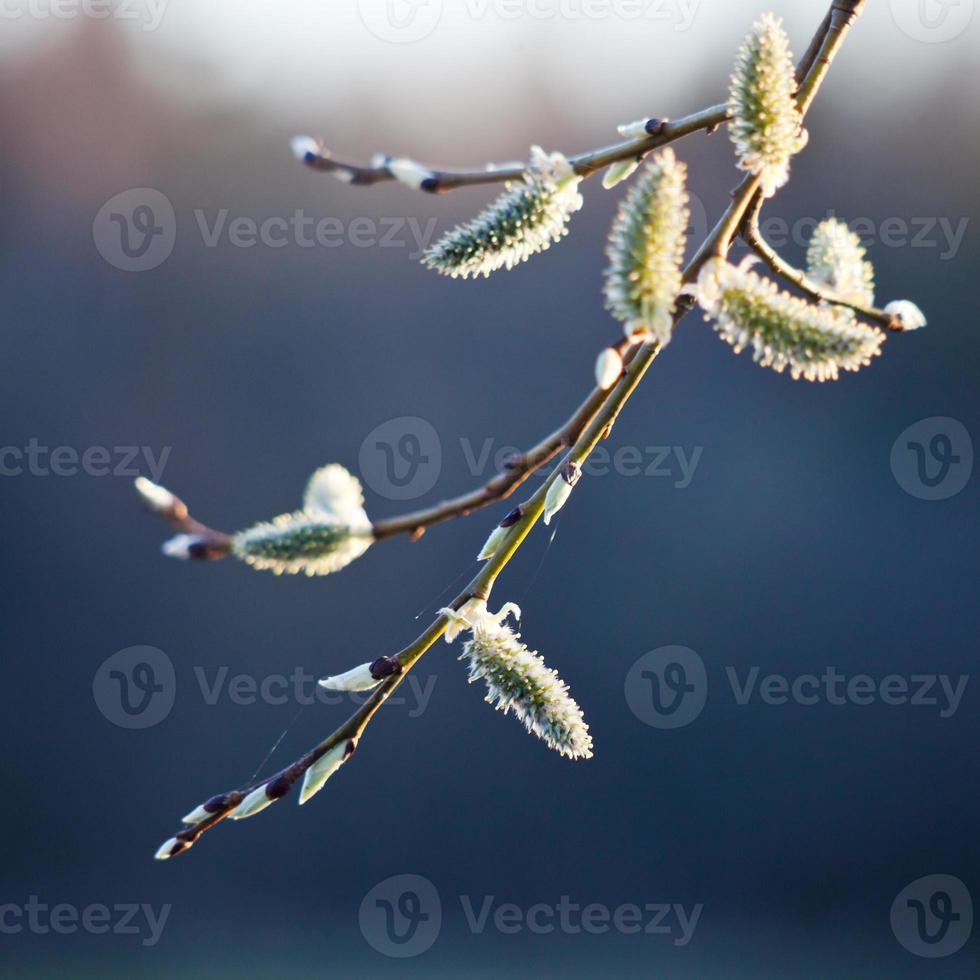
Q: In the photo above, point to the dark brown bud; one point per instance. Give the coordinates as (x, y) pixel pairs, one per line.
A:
(512, 518)
(571, 473)
(384, 667)
(278, 787)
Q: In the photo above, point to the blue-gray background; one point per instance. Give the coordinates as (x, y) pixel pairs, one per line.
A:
(794, 547)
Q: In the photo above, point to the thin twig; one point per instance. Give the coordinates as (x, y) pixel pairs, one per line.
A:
(206, 543)
(585, 164)
(516, 471)
(751, 234)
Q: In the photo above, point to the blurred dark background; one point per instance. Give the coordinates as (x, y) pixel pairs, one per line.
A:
(799, 544)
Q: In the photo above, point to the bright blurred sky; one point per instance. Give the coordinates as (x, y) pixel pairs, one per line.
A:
(317, 59)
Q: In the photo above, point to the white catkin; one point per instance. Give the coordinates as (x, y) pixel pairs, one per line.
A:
(329, 532)
(518, 680)
(813, 341)
(767, 126)
(528, 218)
(300, 542)
(837, 260)
(646, 250)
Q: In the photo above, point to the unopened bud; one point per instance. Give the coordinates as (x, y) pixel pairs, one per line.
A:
(560, 490)
(205, 810)
(358, 679)
(641, 128)
(155, 497)
(409, 172)
(608, 368)
(618, 172)
(171, 848)
(324, 768)
(907, 313)
(185, 546)
(496, 539)
(304, 148)
(254, 803)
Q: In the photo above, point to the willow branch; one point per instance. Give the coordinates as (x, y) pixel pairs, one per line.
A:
(659, 133)
(530, 511)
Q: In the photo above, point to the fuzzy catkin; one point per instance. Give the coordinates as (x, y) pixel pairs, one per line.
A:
(528, 218)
